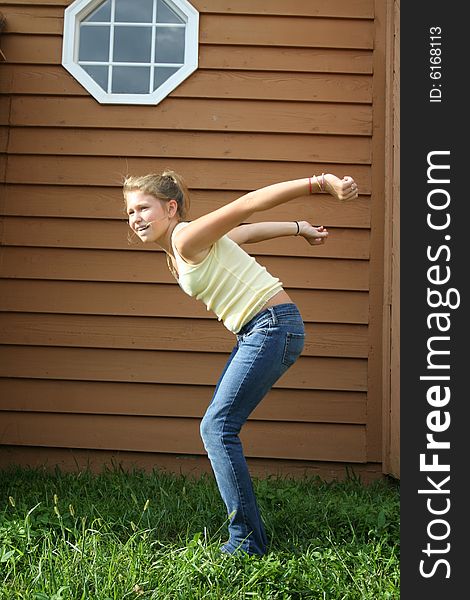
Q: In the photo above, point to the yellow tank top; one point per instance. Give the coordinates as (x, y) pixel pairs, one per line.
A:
(229, 281)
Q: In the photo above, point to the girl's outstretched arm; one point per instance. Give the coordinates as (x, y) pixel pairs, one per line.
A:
(194, 241)
(268, 230)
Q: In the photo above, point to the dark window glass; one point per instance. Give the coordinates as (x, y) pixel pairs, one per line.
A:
(99, 74)
(169, 46)
(94, 43)
(102, 13)
(131, 80)
(133, 11)
(166, 15)
(132, 44)
(161, 74)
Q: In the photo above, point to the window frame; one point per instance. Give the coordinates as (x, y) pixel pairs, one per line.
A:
(80, 9)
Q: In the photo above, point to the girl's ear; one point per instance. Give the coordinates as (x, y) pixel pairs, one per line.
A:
(172, 207)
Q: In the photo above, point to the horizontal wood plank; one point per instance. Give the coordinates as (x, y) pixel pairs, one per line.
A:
(286, 31)
(32, 49)
(326, 8)
(47, 50)
(107, 203)
(204, 173)
(90, 397)
(174, 144)
(4, 134)
(151, 267)
(262, 85)
(155, 366)
(3, 169)
(212, 115)
(53, 232)
(243, 85)
(76, 460)
(5, 103)
(130, 299)
(25, 17)
(16, 3)
(146, 434)
(153, 333)
(308, 60)
(223, 28)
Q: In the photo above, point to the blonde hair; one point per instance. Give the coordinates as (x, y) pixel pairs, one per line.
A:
(164, 186)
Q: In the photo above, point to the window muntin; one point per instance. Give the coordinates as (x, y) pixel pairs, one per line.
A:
(131, 50)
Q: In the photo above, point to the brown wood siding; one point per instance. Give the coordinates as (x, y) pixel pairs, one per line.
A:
(376, 261)
(73, 460)
(391, 324)
(393, 467)
(100, 350)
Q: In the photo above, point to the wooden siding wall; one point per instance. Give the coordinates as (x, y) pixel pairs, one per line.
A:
(101, 352)
(391, 322)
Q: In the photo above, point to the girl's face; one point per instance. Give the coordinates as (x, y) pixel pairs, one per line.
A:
(148, 216)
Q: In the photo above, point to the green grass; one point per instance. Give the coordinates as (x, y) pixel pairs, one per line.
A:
(121, 535)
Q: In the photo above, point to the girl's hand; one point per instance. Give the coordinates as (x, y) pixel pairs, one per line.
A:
(313, 235)
(341, 189)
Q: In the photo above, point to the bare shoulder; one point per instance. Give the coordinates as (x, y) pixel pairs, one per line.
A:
(192, 258)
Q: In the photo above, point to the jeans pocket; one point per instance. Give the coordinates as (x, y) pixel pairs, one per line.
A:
(293, 348)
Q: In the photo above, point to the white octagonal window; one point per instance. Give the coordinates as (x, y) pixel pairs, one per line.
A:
(130, 51)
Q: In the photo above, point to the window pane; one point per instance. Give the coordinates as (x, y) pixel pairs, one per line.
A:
(99, 74)
(131, 80)
(94, 43)
(169, 47)
(133, 11)
(132, 44)
(102, 13)
(161, 74)
(166, 15)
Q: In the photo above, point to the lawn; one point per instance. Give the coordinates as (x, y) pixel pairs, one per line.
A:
(120, 535)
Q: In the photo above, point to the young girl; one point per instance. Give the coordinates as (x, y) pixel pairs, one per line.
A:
(205, 257)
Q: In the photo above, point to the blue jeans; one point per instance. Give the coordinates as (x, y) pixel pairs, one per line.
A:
(266, 347)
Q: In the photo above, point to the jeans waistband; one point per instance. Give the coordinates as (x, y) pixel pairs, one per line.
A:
(272, 313)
